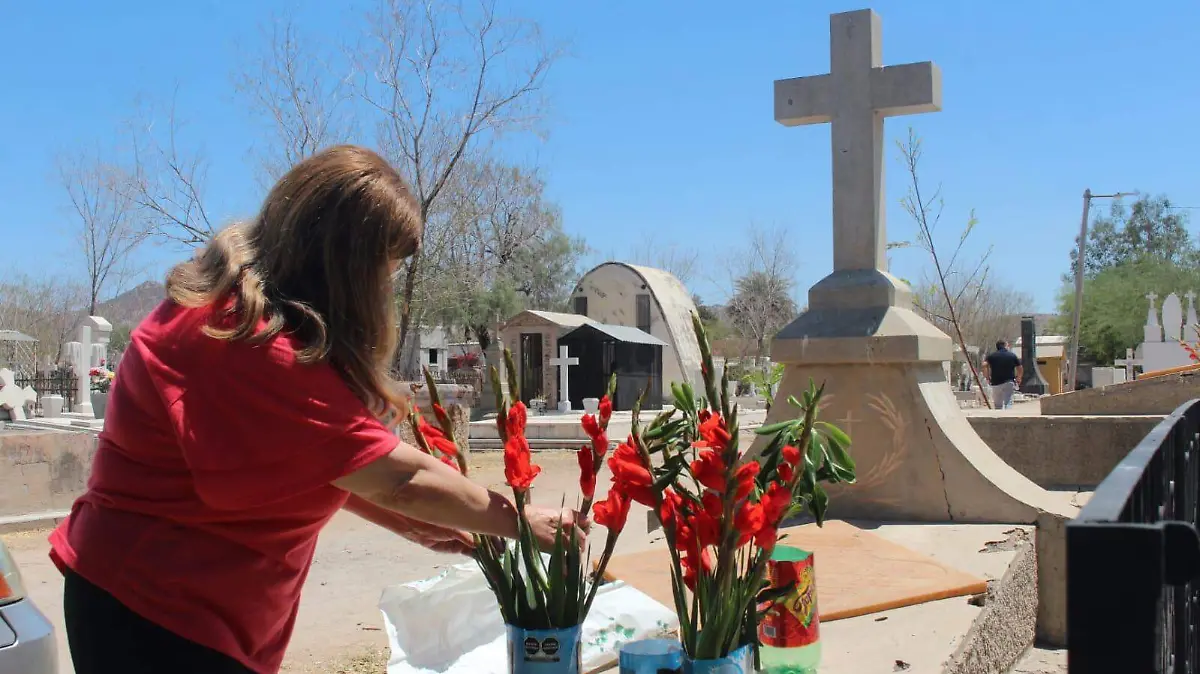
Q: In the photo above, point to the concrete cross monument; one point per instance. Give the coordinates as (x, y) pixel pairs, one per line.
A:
(918, 458)
(563, 362)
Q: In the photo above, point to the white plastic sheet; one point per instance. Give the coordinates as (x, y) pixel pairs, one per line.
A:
(450, 624)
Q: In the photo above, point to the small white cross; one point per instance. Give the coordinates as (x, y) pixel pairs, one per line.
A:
(563, 362)
(854, 98)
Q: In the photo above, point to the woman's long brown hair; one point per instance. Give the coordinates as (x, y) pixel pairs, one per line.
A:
(315, 263)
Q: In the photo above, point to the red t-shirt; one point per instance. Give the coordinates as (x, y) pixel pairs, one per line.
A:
(211, 482)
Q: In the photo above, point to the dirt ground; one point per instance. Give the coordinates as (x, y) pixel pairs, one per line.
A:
(339, 629)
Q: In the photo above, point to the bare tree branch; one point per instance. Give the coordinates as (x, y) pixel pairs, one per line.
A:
(419, 56)
(300, 93)
(167, 184)
(108, 231)
(944, 298)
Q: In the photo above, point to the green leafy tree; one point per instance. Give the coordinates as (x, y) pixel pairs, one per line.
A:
(1116, 305)
(1149, 227)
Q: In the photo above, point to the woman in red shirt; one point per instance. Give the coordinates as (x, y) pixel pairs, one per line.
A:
(245, 414)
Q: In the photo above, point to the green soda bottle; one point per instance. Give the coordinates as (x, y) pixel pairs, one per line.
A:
(789, 633)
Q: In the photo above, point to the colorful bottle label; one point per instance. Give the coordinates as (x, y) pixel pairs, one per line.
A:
(791, 621)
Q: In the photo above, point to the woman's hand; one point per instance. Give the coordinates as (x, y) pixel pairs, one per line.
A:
(438, 538)
(545, 523)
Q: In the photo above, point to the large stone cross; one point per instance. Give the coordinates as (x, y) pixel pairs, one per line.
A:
(563, 362)
(854, 98)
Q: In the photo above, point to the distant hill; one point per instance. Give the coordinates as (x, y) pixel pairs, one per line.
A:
(131, 306)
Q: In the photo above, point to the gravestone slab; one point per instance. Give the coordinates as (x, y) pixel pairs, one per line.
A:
(1192, 328)
(881, 363)
(1172, 318)
(1032, 381)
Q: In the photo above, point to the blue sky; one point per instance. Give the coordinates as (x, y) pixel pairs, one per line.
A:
(661, 117)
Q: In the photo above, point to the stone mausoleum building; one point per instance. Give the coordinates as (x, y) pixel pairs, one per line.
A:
(627, 320)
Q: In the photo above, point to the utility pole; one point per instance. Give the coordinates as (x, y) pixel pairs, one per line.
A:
(1079, 259)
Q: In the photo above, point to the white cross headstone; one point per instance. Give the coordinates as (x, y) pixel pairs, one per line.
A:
(854, 98)
(1128, 362)
(14, 400)
(563, 362)
(1152, 332)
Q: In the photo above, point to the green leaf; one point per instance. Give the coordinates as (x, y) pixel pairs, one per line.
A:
(771, 429)
(835, 433)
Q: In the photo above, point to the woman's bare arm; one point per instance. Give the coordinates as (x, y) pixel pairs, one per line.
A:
(415, 484)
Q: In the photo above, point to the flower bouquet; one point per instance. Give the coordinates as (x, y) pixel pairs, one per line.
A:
(720, 510)
(101, 378)
(543, 598)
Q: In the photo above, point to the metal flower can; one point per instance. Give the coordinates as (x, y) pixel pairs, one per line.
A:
(740, 661)
(552, 651)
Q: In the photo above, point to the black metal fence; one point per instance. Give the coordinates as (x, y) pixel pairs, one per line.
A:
(1133, 559)
(57, 382)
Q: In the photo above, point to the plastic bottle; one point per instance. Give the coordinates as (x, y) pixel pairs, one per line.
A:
(789, 634)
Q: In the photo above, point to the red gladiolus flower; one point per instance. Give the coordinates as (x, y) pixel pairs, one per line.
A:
(744, 479)
(708, 521)
(748, 521)
(714, 432)
(606, 410)
(440, 413)
(672, 506)
(776, 502)
(436, 439)
(590, 424)
(612, 512)
(599, 438)
(449, 461)
(695, 563)
(786, 472)
(791, 455)
(630, 475)
(766, 538)
(709, 470)
(517, 417)
(587, 471)
(519, 470)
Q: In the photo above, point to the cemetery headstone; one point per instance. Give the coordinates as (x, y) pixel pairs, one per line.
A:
(1172, 318)
(1190, 329)
(563, 362)
(1152, 332)
(81, 364)
(101, 333)
(16, 403)
(880, 362)
(1032, 381)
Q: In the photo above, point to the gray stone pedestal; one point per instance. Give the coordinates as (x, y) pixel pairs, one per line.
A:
(918, 458)
(1032, 381)
(881, 364)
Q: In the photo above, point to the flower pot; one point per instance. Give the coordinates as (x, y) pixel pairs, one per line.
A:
(553, 651)
(99, 403)
(740, 661)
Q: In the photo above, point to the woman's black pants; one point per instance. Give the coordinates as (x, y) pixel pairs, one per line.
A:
(108, 638)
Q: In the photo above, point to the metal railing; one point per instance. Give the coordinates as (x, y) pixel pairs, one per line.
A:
(1133, 559)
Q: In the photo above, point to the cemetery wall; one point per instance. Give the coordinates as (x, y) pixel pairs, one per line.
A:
(1075, 451)
(1156, 395)
(43, 471)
